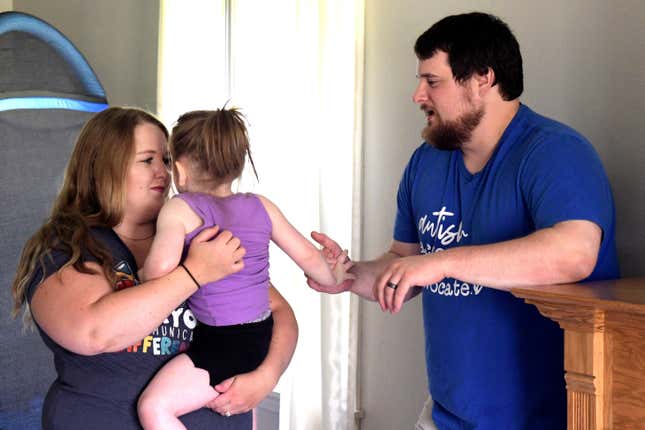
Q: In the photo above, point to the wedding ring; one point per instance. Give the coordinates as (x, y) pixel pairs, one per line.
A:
(391, 285)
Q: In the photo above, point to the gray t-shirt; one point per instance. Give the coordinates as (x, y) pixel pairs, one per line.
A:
(101, 391)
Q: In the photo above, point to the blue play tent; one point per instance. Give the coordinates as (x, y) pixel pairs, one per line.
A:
(47, 92)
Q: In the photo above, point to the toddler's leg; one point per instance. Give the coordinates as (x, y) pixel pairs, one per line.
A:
(178, 388)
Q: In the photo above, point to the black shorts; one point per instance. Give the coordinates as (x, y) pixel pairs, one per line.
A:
(227, 351)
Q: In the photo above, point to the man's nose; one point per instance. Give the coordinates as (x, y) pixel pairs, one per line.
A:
(420, 95)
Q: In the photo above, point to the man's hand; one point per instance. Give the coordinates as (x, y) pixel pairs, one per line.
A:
(400, 277)
(331, 251)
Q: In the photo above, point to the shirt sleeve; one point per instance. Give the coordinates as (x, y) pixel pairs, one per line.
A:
(405, 229)
(563, 179)
(51, 264)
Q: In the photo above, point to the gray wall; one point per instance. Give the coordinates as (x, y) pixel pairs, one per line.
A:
(117, 37)
(6, 5)
(584, 65)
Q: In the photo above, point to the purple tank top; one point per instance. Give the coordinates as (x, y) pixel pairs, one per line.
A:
(242, 296)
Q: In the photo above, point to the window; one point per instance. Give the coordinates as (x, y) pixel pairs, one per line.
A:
(294, 67)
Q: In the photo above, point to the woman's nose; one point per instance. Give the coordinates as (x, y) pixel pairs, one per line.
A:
(161, 169)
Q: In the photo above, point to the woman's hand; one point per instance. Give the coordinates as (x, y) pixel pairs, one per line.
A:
(211, 260)
(241, 393)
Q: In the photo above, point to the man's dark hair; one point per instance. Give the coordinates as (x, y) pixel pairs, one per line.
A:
(474, 42)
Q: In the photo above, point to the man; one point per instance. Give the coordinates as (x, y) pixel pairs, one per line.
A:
(511, 198)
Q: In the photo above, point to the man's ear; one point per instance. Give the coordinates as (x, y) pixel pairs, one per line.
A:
(485, 81)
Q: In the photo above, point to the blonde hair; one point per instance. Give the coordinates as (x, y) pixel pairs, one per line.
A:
(93, 194)
(215, 141)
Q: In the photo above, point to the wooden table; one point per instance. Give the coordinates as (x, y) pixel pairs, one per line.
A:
(604, 349)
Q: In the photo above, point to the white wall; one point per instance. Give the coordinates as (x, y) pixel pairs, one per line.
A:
(117, 37)
(584, 65)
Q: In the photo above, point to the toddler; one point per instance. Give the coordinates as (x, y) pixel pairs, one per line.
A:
(208, 149)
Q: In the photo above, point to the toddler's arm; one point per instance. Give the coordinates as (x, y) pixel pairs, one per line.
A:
(168, 243)
(303, 252)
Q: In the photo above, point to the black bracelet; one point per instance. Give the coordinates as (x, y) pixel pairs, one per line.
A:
(191, 275)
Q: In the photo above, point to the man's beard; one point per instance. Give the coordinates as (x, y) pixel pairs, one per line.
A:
(450, 135)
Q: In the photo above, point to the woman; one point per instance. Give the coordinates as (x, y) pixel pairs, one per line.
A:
(77, 276)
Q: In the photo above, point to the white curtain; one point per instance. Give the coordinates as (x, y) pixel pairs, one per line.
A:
(294, 67)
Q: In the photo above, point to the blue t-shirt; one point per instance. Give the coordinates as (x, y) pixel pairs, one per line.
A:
(493, 361)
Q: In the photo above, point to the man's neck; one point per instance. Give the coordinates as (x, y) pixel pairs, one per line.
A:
(486, 136)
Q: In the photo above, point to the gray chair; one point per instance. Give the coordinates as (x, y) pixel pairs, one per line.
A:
(47, 92)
